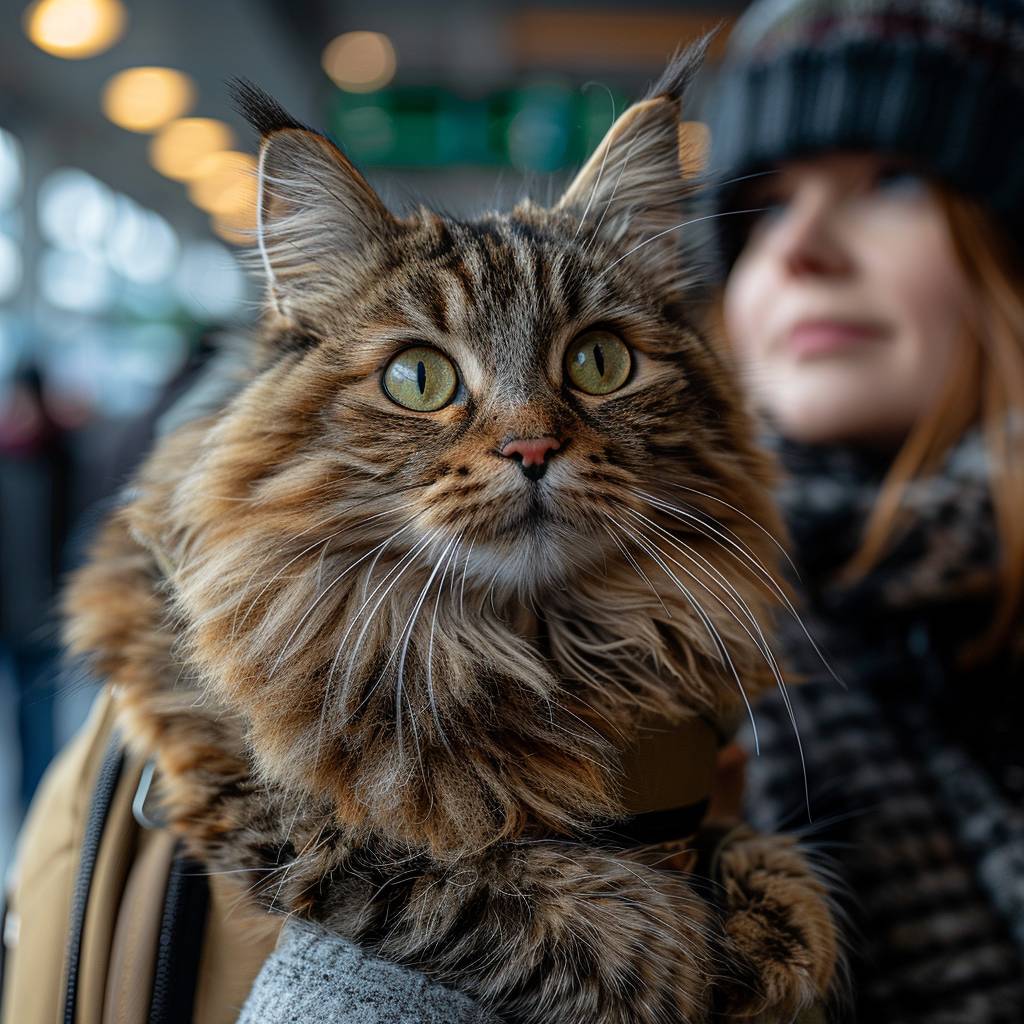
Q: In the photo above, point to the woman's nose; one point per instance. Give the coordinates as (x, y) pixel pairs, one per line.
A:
(809, 236)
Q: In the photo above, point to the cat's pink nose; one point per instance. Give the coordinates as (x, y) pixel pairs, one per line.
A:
(533, 451)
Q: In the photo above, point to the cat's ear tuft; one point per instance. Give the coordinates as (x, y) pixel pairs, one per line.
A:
(631, 190)
(321, 226)
(260, 109)
(678, 76)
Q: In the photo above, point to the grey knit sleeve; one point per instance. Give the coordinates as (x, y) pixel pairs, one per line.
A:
(314, 977)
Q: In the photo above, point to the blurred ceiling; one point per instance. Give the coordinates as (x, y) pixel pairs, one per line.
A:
(52, 104)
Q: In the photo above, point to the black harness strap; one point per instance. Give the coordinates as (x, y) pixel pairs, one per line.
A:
(653, 827)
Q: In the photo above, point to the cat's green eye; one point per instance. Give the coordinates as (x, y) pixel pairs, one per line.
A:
(421, 379)
(598, 362)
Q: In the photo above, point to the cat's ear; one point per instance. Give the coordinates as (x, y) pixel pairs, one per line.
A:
(320, 223)
(633, 186)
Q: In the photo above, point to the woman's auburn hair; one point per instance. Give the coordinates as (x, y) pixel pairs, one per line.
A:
(985, 387)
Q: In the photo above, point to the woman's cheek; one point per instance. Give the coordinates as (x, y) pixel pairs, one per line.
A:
(744, 309)
(919, 279)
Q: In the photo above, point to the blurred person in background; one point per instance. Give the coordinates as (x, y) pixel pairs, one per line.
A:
(875, 306)
(34, 473)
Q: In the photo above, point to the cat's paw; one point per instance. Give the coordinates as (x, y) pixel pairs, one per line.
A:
(780, 934)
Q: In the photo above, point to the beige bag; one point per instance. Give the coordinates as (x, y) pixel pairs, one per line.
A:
(107, 921)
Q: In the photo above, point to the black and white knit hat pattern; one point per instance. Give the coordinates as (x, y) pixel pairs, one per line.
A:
(938, 82)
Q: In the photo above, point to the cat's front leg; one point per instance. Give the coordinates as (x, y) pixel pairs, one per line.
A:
(547, 933)
(778, 922)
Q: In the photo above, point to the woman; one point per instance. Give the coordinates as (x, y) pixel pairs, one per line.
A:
(875, 304)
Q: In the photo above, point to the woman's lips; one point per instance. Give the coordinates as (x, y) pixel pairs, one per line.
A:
(822, 337)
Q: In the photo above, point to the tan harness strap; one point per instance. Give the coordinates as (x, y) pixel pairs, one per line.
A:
(670, 767)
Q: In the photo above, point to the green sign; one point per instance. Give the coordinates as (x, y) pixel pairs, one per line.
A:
(543, 126)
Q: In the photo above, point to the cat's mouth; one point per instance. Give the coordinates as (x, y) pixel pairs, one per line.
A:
(537, 521)
(535, 514)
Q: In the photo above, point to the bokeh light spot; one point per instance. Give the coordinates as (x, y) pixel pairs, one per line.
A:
(145, 99)
(359, 61)
(75, 28)
(178, 150)
(210, 282)
(12, 173)
(10, 267)
(75, 281)
(75, 210)
(225, 183)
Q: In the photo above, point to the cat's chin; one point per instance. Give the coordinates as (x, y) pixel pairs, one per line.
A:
(539, 555)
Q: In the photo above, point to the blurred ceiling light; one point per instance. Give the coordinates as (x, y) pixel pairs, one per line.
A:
(359, 61)
(210, 282)
(178, 150)
(75, 281)
(10, 267)
(74, 28)
(225, 183)
(141, 246)
(75, 210)
(12, 175)
(145, 99)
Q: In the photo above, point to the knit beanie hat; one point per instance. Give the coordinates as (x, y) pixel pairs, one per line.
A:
(937, 82)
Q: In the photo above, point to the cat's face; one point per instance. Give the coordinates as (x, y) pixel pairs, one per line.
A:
(510, 387)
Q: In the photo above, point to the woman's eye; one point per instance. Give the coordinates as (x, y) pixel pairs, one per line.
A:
(421, 378)
(598, 362)
(900, 181)
(756, 214)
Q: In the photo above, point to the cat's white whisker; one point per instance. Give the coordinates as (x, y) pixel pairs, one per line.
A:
(676, 227)
(465, 570)
(765, 651)
(396, 573)
(430, 647)
(750, 519)
(337, 579)
(326, 519)
(600, 170)
(777, 589)
(405, 640)
(714, 530)
(710, 570)
(655, 553)
(639, 571)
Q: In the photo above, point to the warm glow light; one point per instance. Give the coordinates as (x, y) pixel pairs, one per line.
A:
(238, 230)
(359, 61)
(74, 28)
(225, 183)
(179, 149)
(144, 99)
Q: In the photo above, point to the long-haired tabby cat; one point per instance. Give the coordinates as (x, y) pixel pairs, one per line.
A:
(482, 510)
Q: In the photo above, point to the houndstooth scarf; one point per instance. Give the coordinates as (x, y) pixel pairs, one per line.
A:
(915, 771)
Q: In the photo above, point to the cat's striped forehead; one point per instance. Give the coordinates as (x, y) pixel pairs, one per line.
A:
(506, 288)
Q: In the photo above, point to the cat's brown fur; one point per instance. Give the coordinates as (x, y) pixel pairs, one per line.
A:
(388, 676)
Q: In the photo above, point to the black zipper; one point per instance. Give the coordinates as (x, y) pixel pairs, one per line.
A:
(99, 811)
(180, 943)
